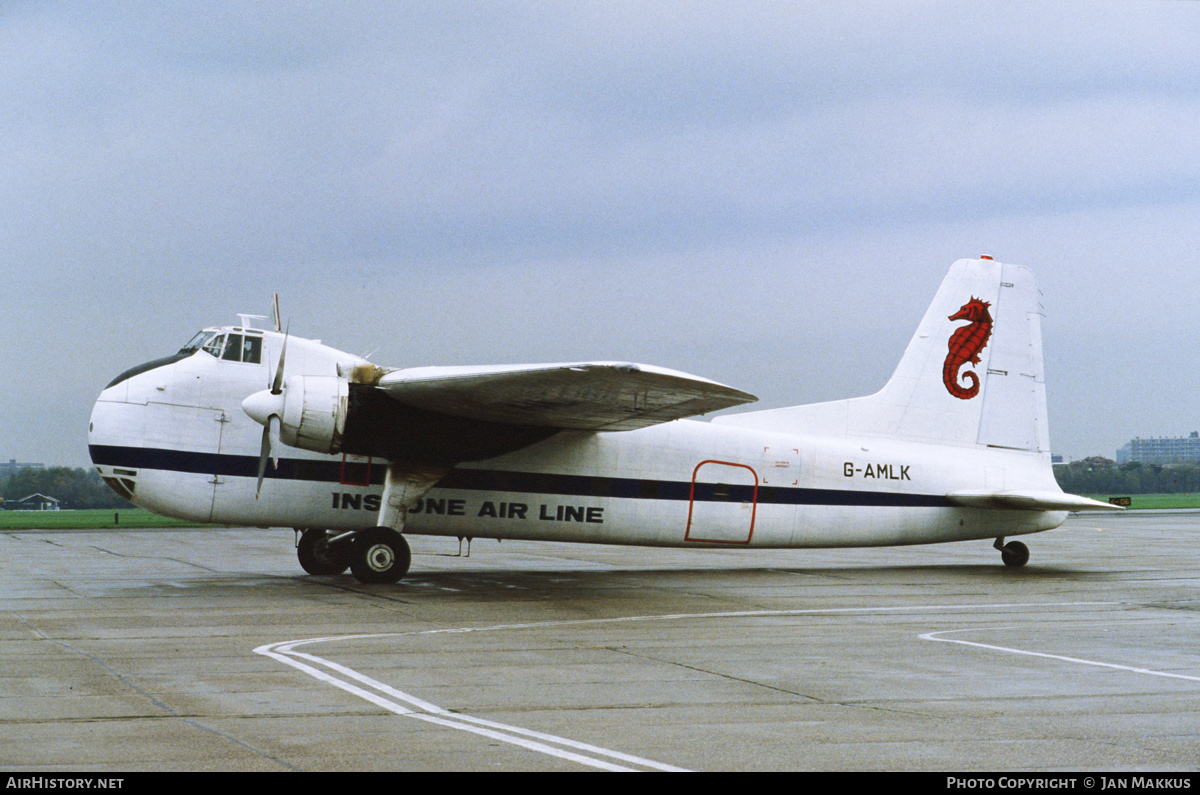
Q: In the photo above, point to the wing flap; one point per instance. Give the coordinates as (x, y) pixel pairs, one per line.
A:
(597, 396)
(1028, 501)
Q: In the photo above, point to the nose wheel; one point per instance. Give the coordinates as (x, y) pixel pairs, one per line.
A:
(1014, 553)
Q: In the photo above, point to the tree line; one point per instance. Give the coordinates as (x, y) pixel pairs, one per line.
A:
(73, 488)
(1103, 476)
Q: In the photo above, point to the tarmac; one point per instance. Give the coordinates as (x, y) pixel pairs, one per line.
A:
(210, 650)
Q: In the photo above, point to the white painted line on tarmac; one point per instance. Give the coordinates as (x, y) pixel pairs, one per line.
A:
(393, 700)
(409, 706)
(935, 636)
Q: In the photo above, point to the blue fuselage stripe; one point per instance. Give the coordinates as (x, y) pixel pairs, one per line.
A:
(489, 480)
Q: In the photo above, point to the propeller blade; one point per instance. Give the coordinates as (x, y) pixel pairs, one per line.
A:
(274, 428)
(277, 384)
(264, 453)
(260, 405)
(270, 443)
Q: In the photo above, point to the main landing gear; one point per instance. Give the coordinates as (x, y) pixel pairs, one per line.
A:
(318, 556)
(379, 555)
(374, 555)
(1014, 553)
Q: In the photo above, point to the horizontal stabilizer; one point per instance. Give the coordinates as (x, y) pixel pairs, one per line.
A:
(595, 396)
(1028, 501)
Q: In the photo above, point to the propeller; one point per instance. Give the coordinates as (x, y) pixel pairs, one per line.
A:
(267, 407)
(270, 439)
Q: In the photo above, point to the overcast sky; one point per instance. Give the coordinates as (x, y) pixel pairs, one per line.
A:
(767, 194)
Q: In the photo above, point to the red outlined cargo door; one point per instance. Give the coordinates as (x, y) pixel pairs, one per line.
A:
(723, 503)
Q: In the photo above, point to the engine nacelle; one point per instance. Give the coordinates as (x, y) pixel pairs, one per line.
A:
(308, 410)
(314, 412)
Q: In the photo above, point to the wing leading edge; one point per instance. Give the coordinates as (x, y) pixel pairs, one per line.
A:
(594, 396)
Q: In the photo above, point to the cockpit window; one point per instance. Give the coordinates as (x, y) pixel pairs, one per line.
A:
(197, 342)
(229, 347)
(233, 348)
(216, 345)
(252, 349)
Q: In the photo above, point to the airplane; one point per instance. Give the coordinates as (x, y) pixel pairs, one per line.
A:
(255, 427)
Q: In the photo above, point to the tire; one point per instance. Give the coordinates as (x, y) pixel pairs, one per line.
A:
(379, 555)
(1014, 554)
(318, 557)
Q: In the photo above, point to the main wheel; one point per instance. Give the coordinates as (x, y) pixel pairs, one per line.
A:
(317, 556)
(1014, 554)
(379, 555)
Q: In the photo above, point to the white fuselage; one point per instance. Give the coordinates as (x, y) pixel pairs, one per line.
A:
(177, 438)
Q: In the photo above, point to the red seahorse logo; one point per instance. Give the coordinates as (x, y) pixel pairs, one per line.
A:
(966, 343)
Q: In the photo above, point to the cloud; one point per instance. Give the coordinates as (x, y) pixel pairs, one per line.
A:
(483, 180)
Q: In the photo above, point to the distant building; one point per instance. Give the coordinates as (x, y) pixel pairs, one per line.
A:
(12, 467)
(34, 502)
(1183, 450)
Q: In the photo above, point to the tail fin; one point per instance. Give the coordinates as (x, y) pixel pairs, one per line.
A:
(971, 375)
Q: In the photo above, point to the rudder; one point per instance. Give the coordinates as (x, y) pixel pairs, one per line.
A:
(971, 374)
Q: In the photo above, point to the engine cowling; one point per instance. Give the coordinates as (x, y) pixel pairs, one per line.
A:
(311, 410)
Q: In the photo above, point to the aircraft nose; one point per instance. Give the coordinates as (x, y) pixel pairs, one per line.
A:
(112, 436)
(110, 413)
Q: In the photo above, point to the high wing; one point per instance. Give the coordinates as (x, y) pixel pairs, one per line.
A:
(594, 396)
(1028, 501)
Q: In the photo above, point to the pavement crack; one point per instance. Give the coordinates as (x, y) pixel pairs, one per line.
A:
(755, 683)
(643, 656)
